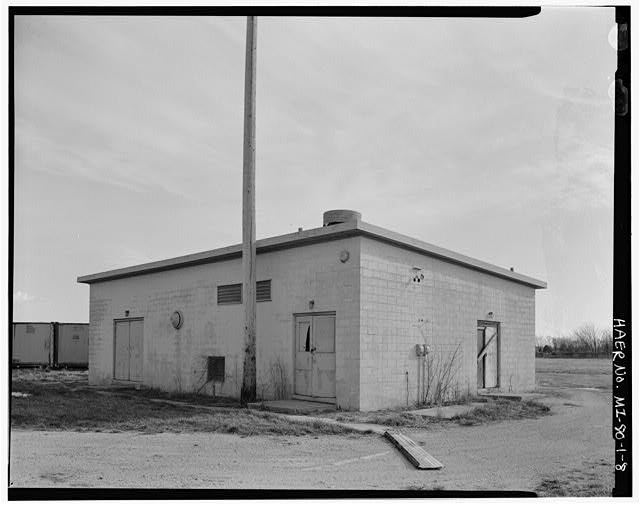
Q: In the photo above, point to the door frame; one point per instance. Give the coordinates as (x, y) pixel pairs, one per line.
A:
(125, 320)
(496, 325)
(295, 396)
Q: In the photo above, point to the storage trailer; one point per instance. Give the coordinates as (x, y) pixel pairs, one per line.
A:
(32, 344)
(71, 345)
(50, 344)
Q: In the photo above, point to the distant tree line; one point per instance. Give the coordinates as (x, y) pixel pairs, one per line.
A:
(587, 340)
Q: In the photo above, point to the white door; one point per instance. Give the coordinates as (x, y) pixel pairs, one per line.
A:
(121, 354)
(324, 357)
(135, 350)
(304, 365)
(128, 350)
(315, 366)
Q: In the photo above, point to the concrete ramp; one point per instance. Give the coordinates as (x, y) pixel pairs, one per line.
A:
(420, 458)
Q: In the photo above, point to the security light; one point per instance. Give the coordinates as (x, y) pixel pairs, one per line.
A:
(418, 275)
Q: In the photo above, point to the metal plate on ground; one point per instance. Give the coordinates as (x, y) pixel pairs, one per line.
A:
(420, 458)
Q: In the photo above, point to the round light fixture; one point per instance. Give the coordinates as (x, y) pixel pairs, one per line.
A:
(344, 256)
(177, 319)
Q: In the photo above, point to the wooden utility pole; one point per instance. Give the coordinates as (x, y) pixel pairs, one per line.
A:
(248, 392)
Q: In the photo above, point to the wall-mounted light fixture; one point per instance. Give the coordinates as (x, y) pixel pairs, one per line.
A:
(311, 304)
(126, 313)
(176, 319)
(490, 315)
(418, 276)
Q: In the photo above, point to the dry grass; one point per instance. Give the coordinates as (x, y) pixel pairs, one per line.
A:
(61, 400)
(386, 418)
(184, 397)
(492, 411)
(574, 373)
(58, 402)
(590, 480)
(502, 410)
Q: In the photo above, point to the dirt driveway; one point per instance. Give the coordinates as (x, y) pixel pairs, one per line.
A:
(510, 455)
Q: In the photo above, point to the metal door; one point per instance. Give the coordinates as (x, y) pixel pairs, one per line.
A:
(128, 347)
(121, 354)
(480, 360)
(135, 350)
(315, 362)
(488, 355)
(323, 353)
(304, 360)
(491, 358)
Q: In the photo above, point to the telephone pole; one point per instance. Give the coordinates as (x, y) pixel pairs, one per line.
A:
(248, 392)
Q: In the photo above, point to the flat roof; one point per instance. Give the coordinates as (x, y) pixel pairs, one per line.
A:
(352, 228)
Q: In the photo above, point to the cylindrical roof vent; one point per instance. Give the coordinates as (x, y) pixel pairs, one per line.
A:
(339, 216)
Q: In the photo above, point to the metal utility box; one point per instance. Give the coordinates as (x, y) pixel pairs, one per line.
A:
(71, 345)
(32, 344)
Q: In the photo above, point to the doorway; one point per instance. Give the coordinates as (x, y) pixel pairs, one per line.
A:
(488, 336)
(128, 341)
(315, 357)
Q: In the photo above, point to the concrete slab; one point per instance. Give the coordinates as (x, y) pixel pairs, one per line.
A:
(446, 412)
(364, 428)
(513, 396)
(292, 406)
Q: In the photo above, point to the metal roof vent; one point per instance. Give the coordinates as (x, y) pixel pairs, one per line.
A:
(339, 216)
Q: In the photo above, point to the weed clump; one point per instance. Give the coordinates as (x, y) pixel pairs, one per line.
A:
(502, 410)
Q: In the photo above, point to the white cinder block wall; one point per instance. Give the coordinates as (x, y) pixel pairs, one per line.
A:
(380, 316)
(175, 360)
(441, 311)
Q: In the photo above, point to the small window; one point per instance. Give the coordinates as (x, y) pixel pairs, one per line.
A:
(215, 368)
(229, 294)
(76, 337)
(263, 291)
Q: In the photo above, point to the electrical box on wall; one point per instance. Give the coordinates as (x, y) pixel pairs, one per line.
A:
(215, 368)
(422, 349)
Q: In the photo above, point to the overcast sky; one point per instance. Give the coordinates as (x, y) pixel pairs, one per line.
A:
(493, 138)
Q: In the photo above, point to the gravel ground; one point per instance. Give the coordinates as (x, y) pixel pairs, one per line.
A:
(512, 455)
(519, 454)
(509, 455)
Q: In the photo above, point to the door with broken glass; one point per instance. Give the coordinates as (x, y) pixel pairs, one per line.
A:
(488, 340)
(315, 362)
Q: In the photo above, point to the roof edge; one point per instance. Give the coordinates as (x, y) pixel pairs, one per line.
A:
(406, 242)
(290, 240)
(301, 238)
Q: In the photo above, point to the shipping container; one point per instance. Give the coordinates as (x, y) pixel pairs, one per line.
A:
(32, 344)
(50, 344)
(71, 345)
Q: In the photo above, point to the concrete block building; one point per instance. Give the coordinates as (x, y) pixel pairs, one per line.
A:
(348, 313)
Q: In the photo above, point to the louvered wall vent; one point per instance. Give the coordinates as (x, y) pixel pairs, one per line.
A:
(229, 294)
